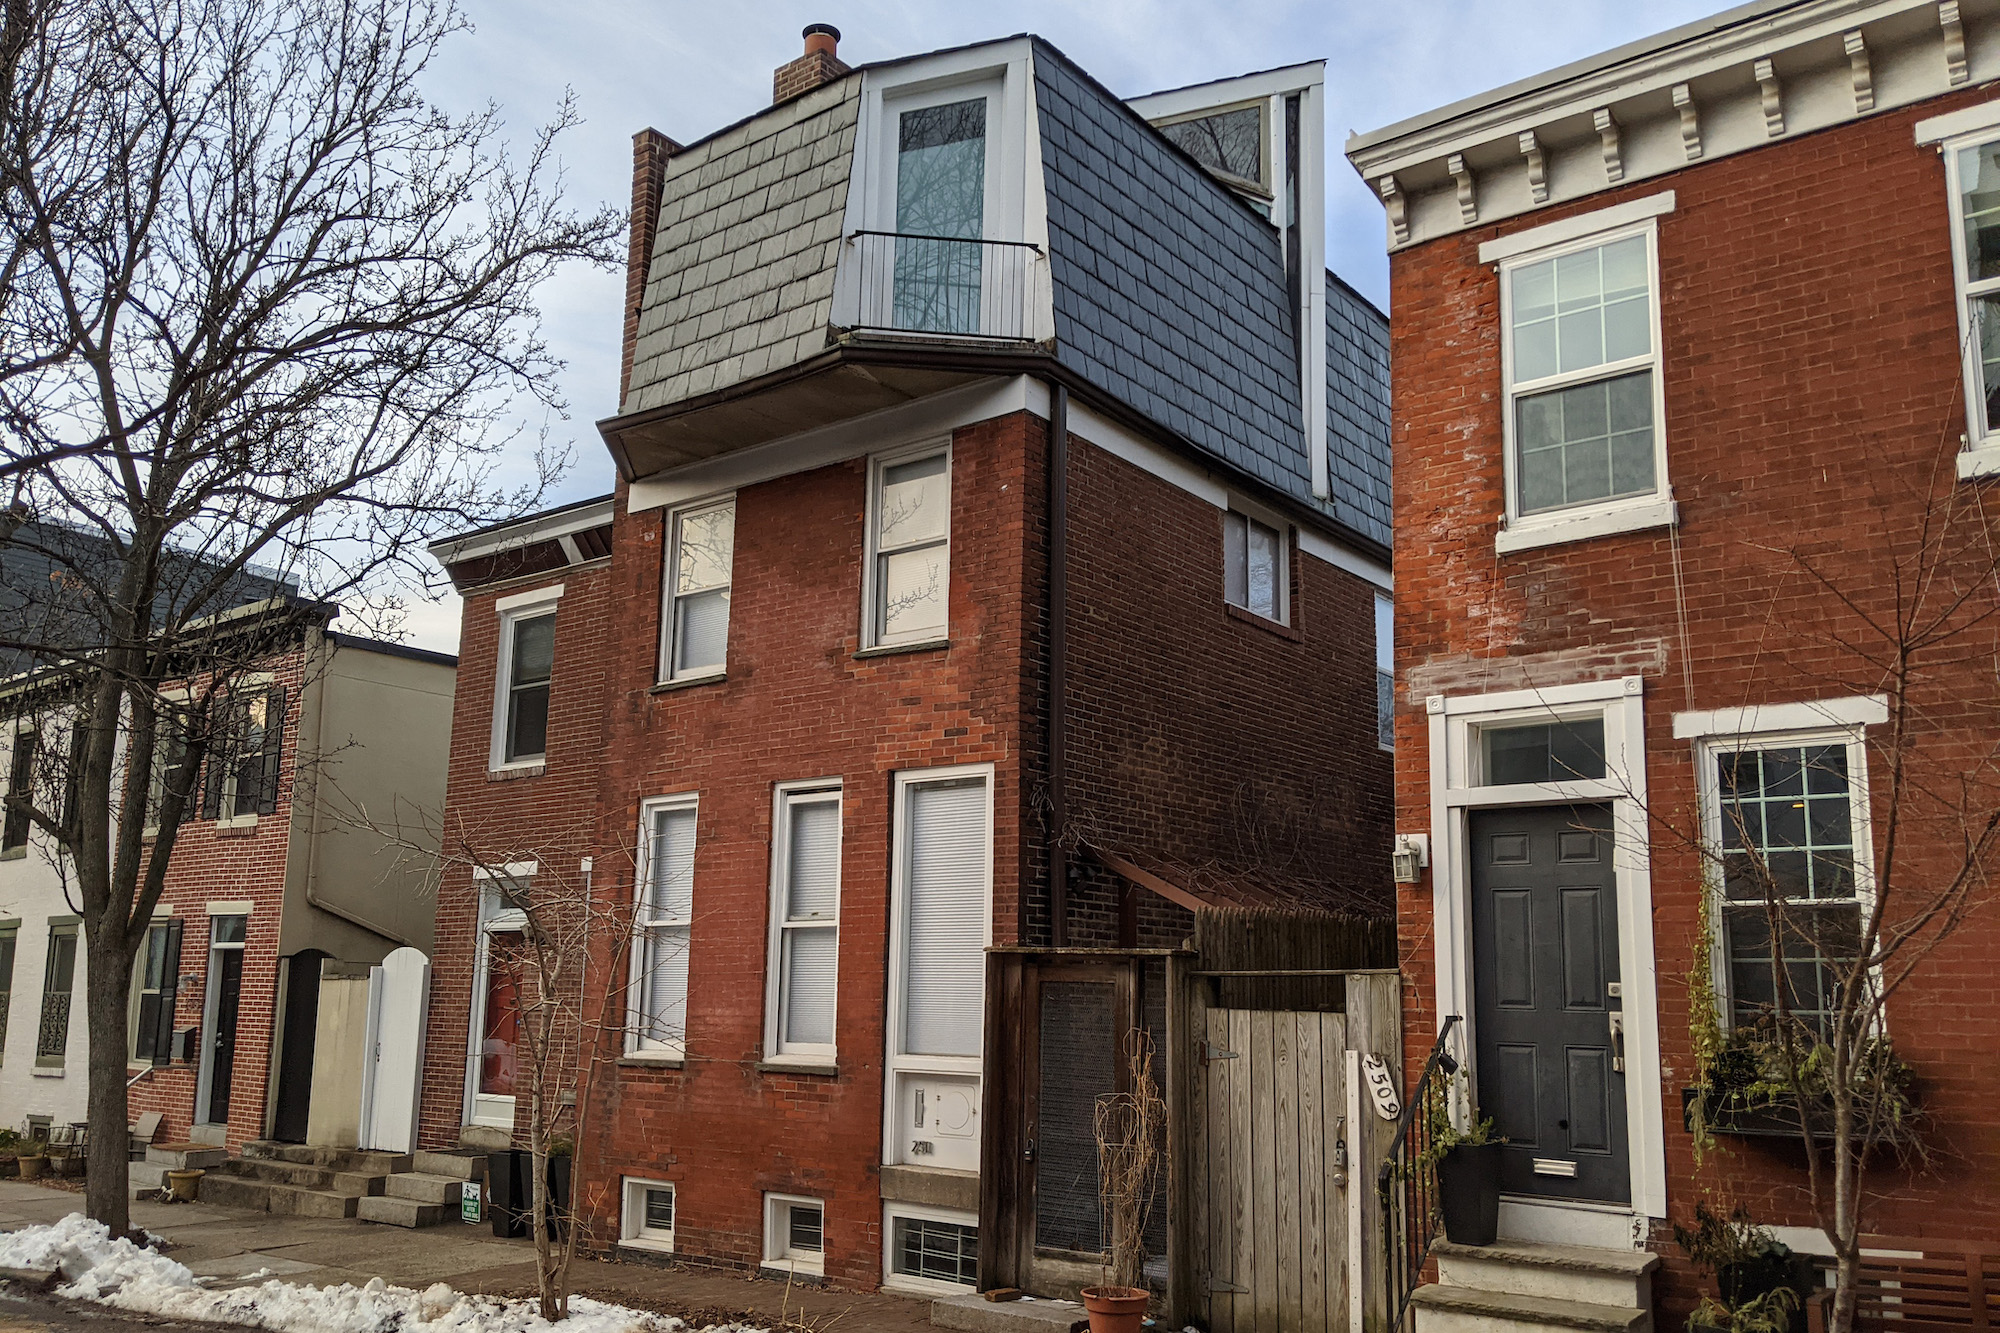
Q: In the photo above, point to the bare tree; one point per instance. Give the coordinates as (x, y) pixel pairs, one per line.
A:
(262, 305)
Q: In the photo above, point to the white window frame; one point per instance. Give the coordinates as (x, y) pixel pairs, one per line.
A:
(878, 465)
(1981, 455)
(633, 1232)
(1385, 665)
(1711, 744)
(1263, 517)
(491, 886)
(667, 1052)
(211, 1001)
(669, 585)
(898, 1063)
(910, 1282)
(777, 1236)
(825, 791)
(512, 610)
(1627, 513)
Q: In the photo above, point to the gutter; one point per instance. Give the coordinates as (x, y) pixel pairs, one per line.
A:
(1058, 668)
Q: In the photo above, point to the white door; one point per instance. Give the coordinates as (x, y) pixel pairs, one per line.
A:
(491, 1036)
(399, 1003)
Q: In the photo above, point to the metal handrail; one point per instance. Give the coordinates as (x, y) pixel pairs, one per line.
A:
(926, 236)
(1410, 1217)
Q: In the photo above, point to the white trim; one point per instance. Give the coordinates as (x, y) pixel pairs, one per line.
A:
(1576, 228)
(801, 1055)
(211, 1001)
(1980, 440)
(897, 1063)
(1333, 553)
(240, 908)
(878, 464)
(1965, 120)
(491, 917)
(545, 527)
(668, 1050)
(532, 597)
(910, 1282)
(1575, 525)
(1983, 461)
(633, 1233)
(512, 870)
(1593, 518)
(1454, 721)
(1861, 710)
(777, 1242)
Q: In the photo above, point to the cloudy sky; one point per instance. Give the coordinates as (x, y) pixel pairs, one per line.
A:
(687, 67)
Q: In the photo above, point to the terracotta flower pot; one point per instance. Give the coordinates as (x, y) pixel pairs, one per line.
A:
(1116, 1309)
(184, 1185)
(31, 1167)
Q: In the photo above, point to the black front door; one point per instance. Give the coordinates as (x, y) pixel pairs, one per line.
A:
(295, 1057)
(228, 994)
(1545, 996)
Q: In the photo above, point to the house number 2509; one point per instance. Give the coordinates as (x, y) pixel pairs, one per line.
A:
(1381, 1087)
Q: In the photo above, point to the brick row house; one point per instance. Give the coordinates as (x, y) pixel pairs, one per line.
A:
(1694, 379)
(1002, 497)
(272, 878)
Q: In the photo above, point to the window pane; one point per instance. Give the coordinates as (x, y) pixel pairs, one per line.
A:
(941, 192)
(227, 929)
(528, 723)
(1235, 559)
(664, 987)
(913, 592)
(671, 867)
(1590, 442)
(915, 504)
(810, 968)
(804, 1229)
(660, 1210)
(1263, 569)
(534, 649)
(1979, 199)
(944, 919)
(1986, 314)
(1543, 752)
(1786, 815)
(701, 631)
(705, 549)
(813, 861)
(1581, 310)
(1228, 141)
(942, 1251)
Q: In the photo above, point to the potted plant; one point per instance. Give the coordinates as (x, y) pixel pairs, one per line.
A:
(1129, 1129)
(1468, 1171)
(31, 1156)
(1763, 1285)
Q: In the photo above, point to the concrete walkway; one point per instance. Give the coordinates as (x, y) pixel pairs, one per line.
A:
(227, 1243)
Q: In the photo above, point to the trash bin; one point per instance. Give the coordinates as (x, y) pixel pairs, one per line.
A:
(504, 1202)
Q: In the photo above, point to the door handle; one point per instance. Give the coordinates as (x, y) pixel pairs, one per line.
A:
(1617, 1020)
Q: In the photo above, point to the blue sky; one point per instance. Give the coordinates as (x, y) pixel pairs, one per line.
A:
(690, 68)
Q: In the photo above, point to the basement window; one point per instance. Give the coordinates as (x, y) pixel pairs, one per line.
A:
(931, 1251)
(794, 1234)
(648, 1216)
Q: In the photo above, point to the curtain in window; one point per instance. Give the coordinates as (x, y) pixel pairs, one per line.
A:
(944, 965)
(940, 192)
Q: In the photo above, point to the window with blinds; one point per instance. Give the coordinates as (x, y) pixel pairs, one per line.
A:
(805, 922)
(947, 843)
(665, 916)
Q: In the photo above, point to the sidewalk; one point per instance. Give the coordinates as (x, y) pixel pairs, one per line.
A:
(228, 1244)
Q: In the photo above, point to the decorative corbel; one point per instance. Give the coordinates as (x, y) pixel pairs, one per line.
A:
(1954, 41)
(1773, 95)
(1857, 65)
(1461, 175)
(1607, 141)
(1538, 167)
(1398, 207)
(1690, 121)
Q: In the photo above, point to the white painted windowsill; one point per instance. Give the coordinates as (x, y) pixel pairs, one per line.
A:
(1526, 535)
(647, 1243)
(1981, 462)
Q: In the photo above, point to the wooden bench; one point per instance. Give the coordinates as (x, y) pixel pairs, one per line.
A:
(1911, 1285)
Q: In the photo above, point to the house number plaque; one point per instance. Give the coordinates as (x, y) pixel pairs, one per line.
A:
(1381, 1087)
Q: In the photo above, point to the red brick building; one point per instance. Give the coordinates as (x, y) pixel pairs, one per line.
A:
(1693, 569)
(960, 548)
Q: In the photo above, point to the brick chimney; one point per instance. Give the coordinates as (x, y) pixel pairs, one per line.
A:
(650, 151)
(818, 65)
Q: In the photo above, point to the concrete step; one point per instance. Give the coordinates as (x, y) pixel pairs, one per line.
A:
(1442, 1309)
(457, 1165)
(183, 1156)
(1582, 1274)
(237, 1192)
(147, 1175)
(976, 1314)
(360, 1184)
(312, 1203)
(424, 1188)
(363, 1160)
(400, 1212)
(275, 1173)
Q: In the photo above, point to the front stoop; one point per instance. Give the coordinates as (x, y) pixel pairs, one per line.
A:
(297, 1181)
(399, 1212)
(426, 1196)
(1522, 1287)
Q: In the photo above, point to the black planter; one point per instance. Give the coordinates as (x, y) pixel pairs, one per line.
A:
(1744, 1282)
(510, 1191)
(1469, 1193)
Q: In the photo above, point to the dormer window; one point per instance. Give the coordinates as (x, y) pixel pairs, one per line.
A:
(940, 216)
(1230, 143)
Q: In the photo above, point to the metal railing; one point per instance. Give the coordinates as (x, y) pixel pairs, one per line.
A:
(953, 286)
(53, 1038)
(1407, 1183)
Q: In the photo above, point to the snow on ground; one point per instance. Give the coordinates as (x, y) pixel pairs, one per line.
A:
(119, 1273)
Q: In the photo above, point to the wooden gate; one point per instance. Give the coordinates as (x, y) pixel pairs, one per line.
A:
(1269, 1203)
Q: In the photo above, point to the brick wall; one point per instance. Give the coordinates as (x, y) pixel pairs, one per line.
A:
(1812, 401)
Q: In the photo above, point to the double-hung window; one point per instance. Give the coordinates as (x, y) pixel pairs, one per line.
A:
(58, 990)
(241, 781)
(664, 923)
(1972, 166)
(1788, 819)
(805, 929)
(20, 786)
(525, 673)
(700, 558)
(1253, 566)
(1586, 442)
(908, 576)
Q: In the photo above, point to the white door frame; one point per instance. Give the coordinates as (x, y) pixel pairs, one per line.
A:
(211, 1001)
(492, 918)
(1454, 723)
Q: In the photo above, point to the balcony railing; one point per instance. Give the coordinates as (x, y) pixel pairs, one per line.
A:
(53, 1038)
(949, 286)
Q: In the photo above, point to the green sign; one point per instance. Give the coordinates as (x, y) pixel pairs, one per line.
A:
(468, 1202)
